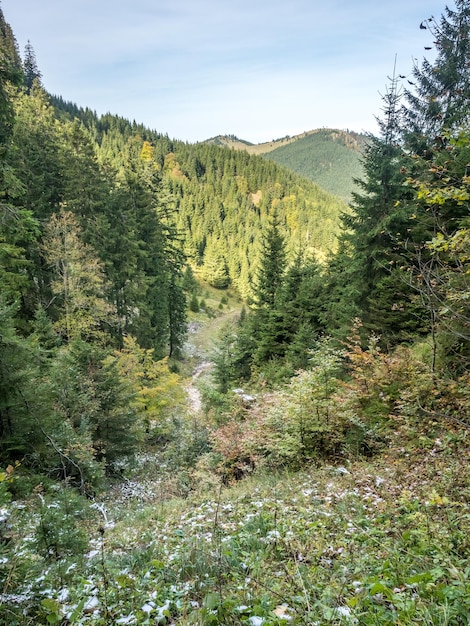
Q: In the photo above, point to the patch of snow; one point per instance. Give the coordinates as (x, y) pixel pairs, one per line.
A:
(91, 604)
(129, 619)
(344, 610)
(92, 554)
(244, 396)
(148, 607)
(161, 610)
(63, 595)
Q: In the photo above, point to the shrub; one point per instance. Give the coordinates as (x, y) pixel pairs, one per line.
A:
(59, 533)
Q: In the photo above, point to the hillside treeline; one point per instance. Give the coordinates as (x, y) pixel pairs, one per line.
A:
(390, 306)
(330, 158)
(103, 225)
(222, 198)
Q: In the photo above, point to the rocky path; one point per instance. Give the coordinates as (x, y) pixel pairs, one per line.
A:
(200, 342)
(194, 395)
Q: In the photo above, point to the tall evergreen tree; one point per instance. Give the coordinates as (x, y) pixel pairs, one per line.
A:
(10, 73)
(376, 228)
(18, 227)
(272, 265)
(20, 398)
(270, 335)
(30, 68)
(442, 88)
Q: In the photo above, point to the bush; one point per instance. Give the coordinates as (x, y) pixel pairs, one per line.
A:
(194, 304)
(59, 533)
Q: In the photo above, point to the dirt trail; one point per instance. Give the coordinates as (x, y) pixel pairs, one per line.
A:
(201, 337)
(194, 395)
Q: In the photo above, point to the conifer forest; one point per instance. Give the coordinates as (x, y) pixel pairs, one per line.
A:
(227, 394)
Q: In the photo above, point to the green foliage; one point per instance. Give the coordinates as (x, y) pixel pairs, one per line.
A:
(59, 534)
(23, 404)
(224, 357)
(441, 271)
(329, 158)
(78, 282)
(285, 321)
(305, 419)
(90, 397)
(194, 304)
(10, 74)
(413, 189)
(439, 100)
(152, 390)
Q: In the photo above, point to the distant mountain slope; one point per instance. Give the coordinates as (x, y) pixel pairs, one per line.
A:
(328, 157)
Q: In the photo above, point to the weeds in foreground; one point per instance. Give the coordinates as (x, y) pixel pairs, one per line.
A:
(367, 541)
(377, 542)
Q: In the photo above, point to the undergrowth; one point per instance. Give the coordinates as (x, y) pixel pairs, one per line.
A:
(332, 501)
(382, 541)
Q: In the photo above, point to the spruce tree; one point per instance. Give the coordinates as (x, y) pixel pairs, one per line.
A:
(20, 397)
(272, 265)
(376, 228)
(270, 334)
(10, 74)
(18, 226)
(31, 71)
(441, 93)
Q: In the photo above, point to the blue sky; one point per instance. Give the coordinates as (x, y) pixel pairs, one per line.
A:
(258, 69)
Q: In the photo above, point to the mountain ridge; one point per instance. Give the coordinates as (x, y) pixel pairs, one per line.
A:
(353, 139)
(329, 157)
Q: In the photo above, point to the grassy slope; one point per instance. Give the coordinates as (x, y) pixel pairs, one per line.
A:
(369, 542)
(362, 541)
(380, 542)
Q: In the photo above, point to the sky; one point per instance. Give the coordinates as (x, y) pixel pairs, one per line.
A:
(195, 69)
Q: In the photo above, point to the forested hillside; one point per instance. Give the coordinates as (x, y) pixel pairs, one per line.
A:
(104, 225)
(226, 397)
(330, 158)
(221, 198)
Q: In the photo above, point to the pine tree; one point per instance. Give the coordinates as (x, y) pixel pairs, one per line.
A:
(31, 71)
(18, 227)
(267, 321)
(215, 269)
(442, 88)
(38, 156)
(22, 405)
(272, 266)
(300, 300)
(377, 227)
(10, 74)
